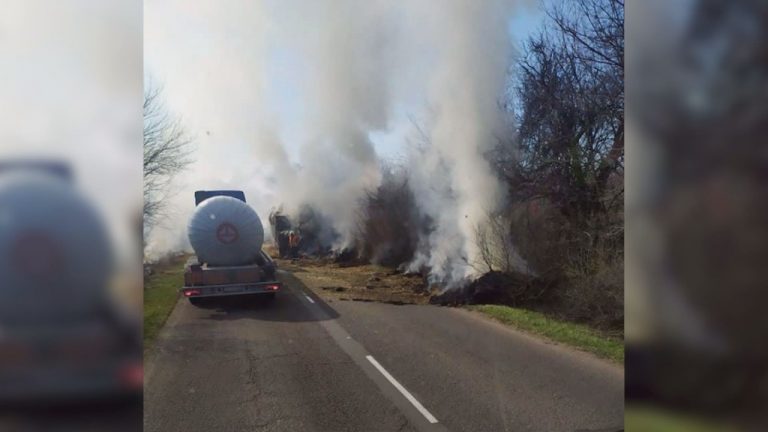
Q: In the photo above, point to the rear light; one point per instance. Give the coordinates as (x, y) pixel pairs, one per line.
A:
(273, 287)
(131, 375)
(191, 292)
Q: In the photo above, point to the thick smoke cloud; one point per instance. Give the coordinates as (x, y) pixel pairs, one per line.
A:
(454, 182)
(355, 69)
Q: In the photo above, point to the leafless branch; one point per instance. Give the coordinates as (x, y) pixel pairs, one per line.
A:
(167, 152)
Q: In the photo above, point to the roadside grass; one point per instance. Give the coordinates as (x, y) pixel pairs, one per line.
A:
(160, 295)
(575, 335)
(647, 418)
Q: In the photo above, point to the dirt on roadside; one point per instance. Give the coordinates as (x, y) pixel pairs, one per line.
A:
(358, 282)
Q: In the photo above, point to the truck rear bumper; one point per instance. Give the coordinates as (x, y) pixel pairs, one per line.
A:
(230, 289)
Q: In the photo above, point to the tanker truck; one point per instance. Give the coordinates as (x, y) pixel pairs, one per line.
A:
(66, 334)
(226, 235)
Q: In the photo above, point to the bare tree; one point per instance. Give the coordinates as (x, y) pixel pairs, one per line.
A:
(494, 240)
(569, 105)
(167, 152)
(389, 224)
(564, 166)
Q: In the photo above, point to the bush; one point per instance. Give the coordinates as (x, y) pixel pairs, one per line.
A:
(594, 290)
(570, 267)
(389, 222)
(497, 250)
(540, 233)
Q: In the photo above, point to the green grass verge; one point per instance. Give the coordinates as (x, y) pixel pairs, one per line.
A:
(160, 295)
(575, 335)
(650, 419)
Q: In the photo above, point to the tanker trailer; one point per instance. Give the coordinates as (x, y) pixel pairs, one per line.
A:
(226, 235)
(65, 337)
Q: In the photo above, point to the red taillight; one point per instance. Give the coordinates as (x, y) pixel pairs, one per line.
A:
(131, 375)
(273, 287)
(191, 292)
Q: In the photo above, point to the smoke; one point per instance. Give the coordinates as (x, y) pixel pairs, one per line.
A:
(284, 98)
(69, 82)
(454, 182)
(347, 52)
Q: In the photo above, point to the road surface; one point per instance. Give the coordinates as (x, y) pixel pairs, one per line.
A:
(302, 363)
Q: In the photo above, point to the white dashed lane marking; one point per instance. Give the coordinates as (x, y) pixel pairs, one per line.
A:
(402, 390)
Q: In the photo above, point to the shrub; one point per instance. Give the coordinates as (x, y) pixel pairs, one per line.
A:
(388, 222)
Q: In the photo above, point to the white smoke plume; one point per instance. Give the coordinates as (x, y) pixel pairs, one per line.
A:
(453, 181)
(356, 69)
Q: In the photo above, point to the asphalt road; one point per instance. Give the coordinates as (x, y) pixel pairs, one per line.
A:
(301, 363)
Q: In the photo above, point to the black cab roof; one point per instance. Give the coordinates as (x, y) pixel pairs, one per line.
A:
(201, 196)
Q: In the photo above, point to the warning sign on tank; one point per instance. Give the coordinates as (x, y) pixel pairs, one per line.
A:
(226, 233)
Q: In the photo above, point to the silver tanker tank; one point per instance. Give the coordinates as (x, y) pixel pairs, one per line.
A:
(225, 231)
(55, 257)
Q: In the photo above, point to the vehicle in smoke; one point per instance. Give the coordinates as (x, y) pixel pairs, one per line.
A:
(280, 226)
(64, 337)
(227, 235)
(314, 230)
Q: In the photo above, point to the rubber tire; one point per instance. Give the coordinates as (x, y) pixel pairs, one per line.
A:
(270, 296)
(195, 301)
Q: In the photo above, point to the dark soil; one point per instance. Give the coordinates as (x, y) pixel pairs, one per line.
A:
(511, 289)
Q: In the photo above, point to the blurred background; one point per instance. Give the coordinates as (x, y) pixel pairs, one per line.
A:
(696, 219)
(71, 205)
(70, 215)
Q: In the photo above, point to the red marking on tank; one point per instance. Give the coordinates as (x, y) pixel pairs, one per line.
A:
(227, 233)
